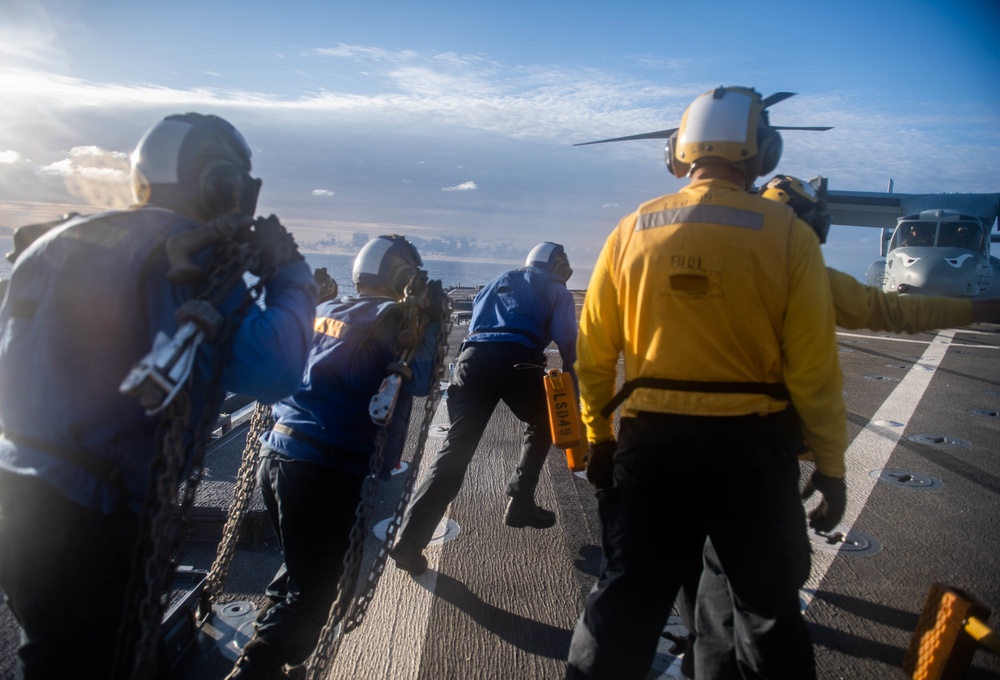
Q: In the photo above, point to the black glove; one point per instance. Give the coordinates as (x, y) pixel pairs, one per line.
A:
(601, 464)
(831, 509)
(328, 288)
(438, 303)
(275, 245)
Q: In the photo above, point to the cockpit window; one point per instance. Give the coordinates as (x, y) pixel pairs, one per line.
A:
(914, 235)
(960, 235)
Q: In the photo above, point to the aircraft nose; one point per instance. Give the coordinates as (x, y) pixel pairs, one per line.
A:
(936, 276)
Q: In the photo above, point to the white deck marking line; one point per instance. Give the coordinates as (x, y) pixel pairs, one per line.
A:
(421, 589)
(918, 342)
(871, 449)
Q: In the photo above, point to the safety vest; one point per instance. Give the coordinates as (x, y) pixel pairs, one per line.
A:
(84, 304)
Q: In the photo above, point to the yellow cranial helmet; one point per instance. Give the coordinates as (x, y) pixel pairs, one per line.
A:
(801, 197)
(728, 123)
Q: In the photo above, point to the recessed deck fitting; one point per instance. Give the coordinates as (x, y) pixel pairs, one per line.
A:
(853, 543)
(907, 479)
(446, 530)
(881, 377)
(985, 412)
(937, 440)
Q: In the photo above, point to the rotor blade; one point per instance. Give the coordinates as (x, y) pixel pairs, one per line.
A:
(788, 127)
(777, 97)
(659, 134)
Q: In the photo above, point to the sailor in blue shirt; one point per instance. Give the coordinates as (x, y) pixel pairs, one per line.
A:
(316, 457)
(85, 302)
(514, 318)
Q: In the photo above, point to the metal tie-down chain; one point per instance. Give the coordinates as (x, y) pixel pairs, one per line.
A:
(163, 515)
(260, 423)
(349, 609)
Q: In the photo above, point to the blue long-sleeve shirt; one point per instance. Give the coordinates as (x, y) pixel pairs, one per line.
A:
(354, 343)
(528, 306)
(85, 303)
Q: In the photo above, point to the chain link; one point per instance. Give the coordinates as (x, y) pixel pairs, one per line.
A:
(349, 609)
(164, 514)
(260, 423)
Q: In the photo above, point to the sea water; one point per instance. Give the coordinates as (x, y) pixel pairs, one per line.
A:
(6, 245)
(451, 273)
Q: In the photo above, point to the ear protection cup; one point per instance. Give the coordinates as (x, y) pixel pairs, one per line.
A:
(400, 275)
(676, 167)
(769, 147)
(220, 187)
(563, 270)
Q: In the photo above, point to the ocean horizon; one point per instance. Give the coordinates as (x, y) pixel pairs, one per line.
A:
(451, 273)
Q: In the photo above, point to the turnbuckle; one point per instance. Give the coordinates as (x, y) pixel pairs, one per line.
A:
(157, 378)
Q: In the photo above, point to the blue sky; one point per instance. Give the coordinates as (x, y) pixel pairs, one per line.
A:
(455, 120)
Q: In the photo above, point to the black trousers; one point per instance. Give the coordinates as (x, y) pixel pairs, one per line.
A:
(312, 509)
(678, 481)
(485, 374)
(64, 570)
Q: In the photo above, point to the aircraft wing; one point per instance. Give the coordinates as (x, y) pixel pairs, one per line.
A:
(874, 209)
(864, 208)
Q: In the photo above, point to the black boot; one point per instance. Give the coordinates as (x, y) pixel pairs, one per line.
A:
(409, 558)
(527, 514)
(259, 660)
(245, 669)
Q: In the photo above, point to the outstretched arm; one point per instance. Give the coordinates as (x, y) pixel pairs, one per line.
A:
(860, 306)
(987, 309)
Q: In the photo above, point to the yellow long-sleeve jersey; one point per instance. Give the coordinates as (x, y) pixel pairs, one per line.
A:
(861, 306)
(714, 284)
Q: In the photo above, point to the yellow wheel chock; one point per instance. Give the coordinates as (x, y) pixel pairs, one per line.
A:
(949, 628)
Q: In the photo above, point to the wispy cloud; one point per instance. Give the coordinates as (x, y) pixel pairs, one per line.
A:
(391, 145)
(464, 186)
(67, 168)
(96, 152)
(363, 53)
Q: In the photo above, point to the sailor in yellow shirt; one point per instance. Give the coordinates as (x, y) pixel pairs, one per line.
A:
(719, 302)
(859, 306)
(856, 306)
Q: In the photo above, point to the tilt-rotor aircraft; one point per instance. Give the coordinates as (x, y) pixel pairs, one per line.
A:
(932, 244)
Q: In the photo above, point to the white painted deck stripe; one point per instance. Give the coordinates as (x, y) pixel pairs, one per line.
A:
(871, 449)
(921, 342)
